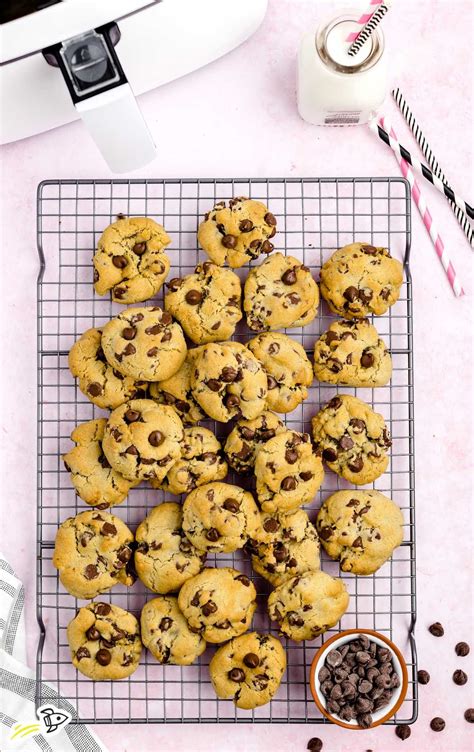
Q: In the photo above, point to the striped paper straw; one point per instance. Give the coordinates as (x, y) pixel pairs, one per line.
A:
(425, 213)
(364, 18)
(432, 161)
(368, 29)
(423, 170)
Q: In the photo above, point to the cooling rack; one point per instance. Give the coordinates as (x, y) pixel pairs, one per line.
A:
(315, 216)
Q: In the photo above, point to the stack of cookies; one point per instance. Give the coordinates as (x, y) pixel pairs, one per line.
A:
(160, 372)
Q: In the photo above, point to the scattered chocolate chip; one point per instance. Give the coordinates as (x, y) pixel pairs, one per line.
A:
(436, 629)
(193, 297)
(315, 744)
(469, 715)
(403, 732)
(437, 724)
(229, 241)
(462, 649)
(156, 438)
(251, 660)
(423, 677)
(289, 277)
(236, 675)
(460, 677)
(103, 657)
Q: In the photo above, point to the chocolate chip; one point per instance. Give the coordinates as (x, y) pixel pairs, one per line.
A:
(325, 532)
(306, 475)
(423, 677)
(103, 657)
(331, 337)
(289, 277)
(94, 389)
(403, 731)
(209, 608)
(367, 360)
(119, 261)
(280, 551)
(364, 686)
(166, 318)
(193, 297)
(330, 455)
(131, 416)
(357, 543)
(125, 554)
(174, 284)
(139, 248)
(91, 572)
(108, 529)
(469, 715)
(462, 649)
(271, 383)
(213, 385)
(243, 579)
(165, 623)
(314, 745)
(346, 442)
(289, 483)
(271, 525)
(251, 660)
(335, 403)
(291, 456)
(351, 294)
(93, 634)
(212, 535)
(370, 249)
(270, 219)
(436, 629)
(334, 658)
(232, 505)
(229, 241)
(102, 609)
(132, 450)
(152, 330)
(437, 724)
(236, 675)
(356, 465)
(267, 247)
(129, 332)
(231, 401)
(166, 336)
(246, 225)
(460, 677)
(96, 275)
(358, 426)
(228, 374)
(156, 438)
(82, 653)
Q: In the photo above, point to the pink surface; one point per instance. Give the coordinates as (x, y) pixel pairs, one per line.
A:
(238, 117)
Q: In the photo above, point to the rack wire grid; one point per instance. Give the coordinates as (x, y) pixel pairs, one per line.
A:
(315, 216)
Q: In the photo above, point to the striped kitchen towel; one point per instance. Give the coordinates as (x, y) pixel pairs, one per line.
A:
(20, 730)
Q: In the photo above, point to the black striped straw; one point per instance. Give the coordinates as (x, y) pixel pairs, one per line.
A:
(368, 29)
(431, 159)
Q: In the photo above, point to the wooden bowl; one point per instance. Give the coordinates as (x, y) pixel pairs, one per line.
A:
(379, 716)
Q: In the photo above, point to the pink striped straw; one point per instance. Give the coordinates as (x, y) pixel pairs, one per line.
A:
(365, 17)
(425, 213)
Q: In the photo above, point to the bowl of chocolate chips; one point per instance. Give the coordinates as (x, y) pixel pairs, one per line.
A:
(358, 679)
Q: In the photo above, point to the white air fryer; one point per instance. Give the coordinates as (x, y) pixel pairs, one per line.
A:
(65, 59)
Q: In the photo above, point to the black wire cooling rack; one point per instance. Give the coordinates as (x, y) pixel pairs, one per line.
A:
(315, 216)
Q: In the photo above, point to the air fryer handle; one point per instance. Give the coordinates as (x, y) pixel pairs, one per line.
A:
(103, 97)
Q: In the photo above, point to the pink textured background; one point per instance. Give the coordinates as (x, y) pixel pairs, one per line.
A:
(255, 130)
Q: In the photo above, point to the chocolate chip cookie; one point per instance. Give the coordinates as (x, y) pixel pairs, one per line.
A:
(229, 382)
(286, 546)
(142, 440)
(218, 603)
(280, 293)
(288, 472)
(206, 303)
(220, 517)
(97, 379)
(248, 669)
(164, 557)
(166, 634)
(360, 528)
(238, 233)
(352, 353)
(144, 343)
(95, 481)
(130, 260)
(308, 605)
(288, 370)
(353, 439)
(91, 552)
(201, 462)
(247, 437)
(176, 391)
(104, 641)
(360, 279)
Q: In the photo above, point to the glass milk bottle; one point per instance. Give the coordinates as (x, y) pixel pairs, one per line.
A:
(334, 88)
